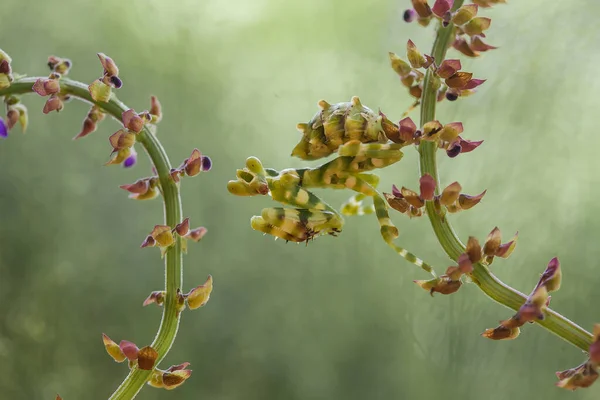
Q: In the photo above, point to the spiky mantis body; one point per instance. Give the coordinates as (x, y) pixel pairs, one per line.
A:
(359, 136)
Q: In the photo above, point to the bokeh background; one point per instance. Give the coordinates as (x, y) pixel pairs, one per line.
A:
(341, 318)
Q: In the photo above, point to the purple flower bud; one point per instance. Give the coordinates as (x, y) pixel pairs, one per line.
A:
(131, 160)
(451, 96)
(116, 82)
(454, 150)
(3, 128)
(409, 15)
(206, 163)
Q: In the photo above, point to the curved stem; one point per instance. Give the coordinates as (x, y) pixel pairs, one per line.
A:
(446, 235)
(169, 324)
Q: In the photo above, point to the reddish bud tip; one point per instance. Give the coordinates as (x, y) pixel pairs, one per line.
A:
(468, 146)
(196, 234)
(146, 358)
(427, 187)
(156, 297)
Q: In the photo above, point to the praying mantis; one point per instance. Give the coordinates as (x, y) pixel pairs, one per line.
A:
(361, 139)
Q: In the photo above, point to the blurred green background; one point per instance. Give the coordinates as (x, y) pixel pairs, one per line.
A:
(341, 318)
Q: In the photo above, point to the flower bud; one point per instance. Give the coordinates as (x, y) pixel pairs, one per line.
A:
(113, 349)
(492, 243)
(46, 87)
(463, 46)
(142, 189)
(443, 285)
(422, 8)
(59, 65)
(451, 131)
(132, 121)
(397, 203)
(459, 80)
(582, 376)
(131, 160)
(147, 357)
(155, 109)
(415, 58)
(474, 250)
(427, 187)
(409, 15)
(477, 44)
(448, 68)
(200, 295)
(412, 197)
(450, 194)
(110, 68)
(121, 139)
(156, 297)
(129, 349)
(99, 91)
(183, 227)
(477, 25)
(464, 14)
(466, 202)
(502, 333)
(441, 7)
(54, 103)
(162, 235)
(401, 67)
(551, 278)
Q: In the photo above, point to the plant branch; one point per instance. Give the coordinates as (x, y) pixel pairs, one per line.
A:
(446, 235)
(173, 215)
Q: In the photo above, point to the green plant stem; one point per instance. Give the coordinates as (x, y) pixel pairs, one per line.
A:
(169, 324)
(446, 235)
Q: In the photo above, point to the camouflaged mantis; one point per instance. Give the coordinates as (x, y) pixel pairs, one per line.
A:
(363, 141)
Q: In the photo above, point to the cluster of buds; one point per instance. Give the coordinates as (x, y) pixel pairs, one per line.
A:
(51, 86)
(450, 282)
(195, 298)
(163, 236)
(100, 89)
(412, 203)
(585, 374)
(145, 358)
(534, 307)
(447, 137)
(456, 83)
(123, 140)
(469, 32)
(192, 166)
(16, 113)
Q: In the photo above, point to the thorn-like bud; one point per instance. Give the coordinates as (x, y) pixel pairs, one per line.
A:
(157, 297)
(477, 44)
(415, 58)
(443, 285)
(155, 109)
(113, 349)
(551, 278)
(466, 202)
(464, 14)
(129, 349)
(427, 187)
(148, 242)
(183, 227)
(502, 333)
(474, 250)
(468, 145)
(147, 357)
(199, 296)
(54, 103)
(99, 91)
(110, 68)
(450, 194)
